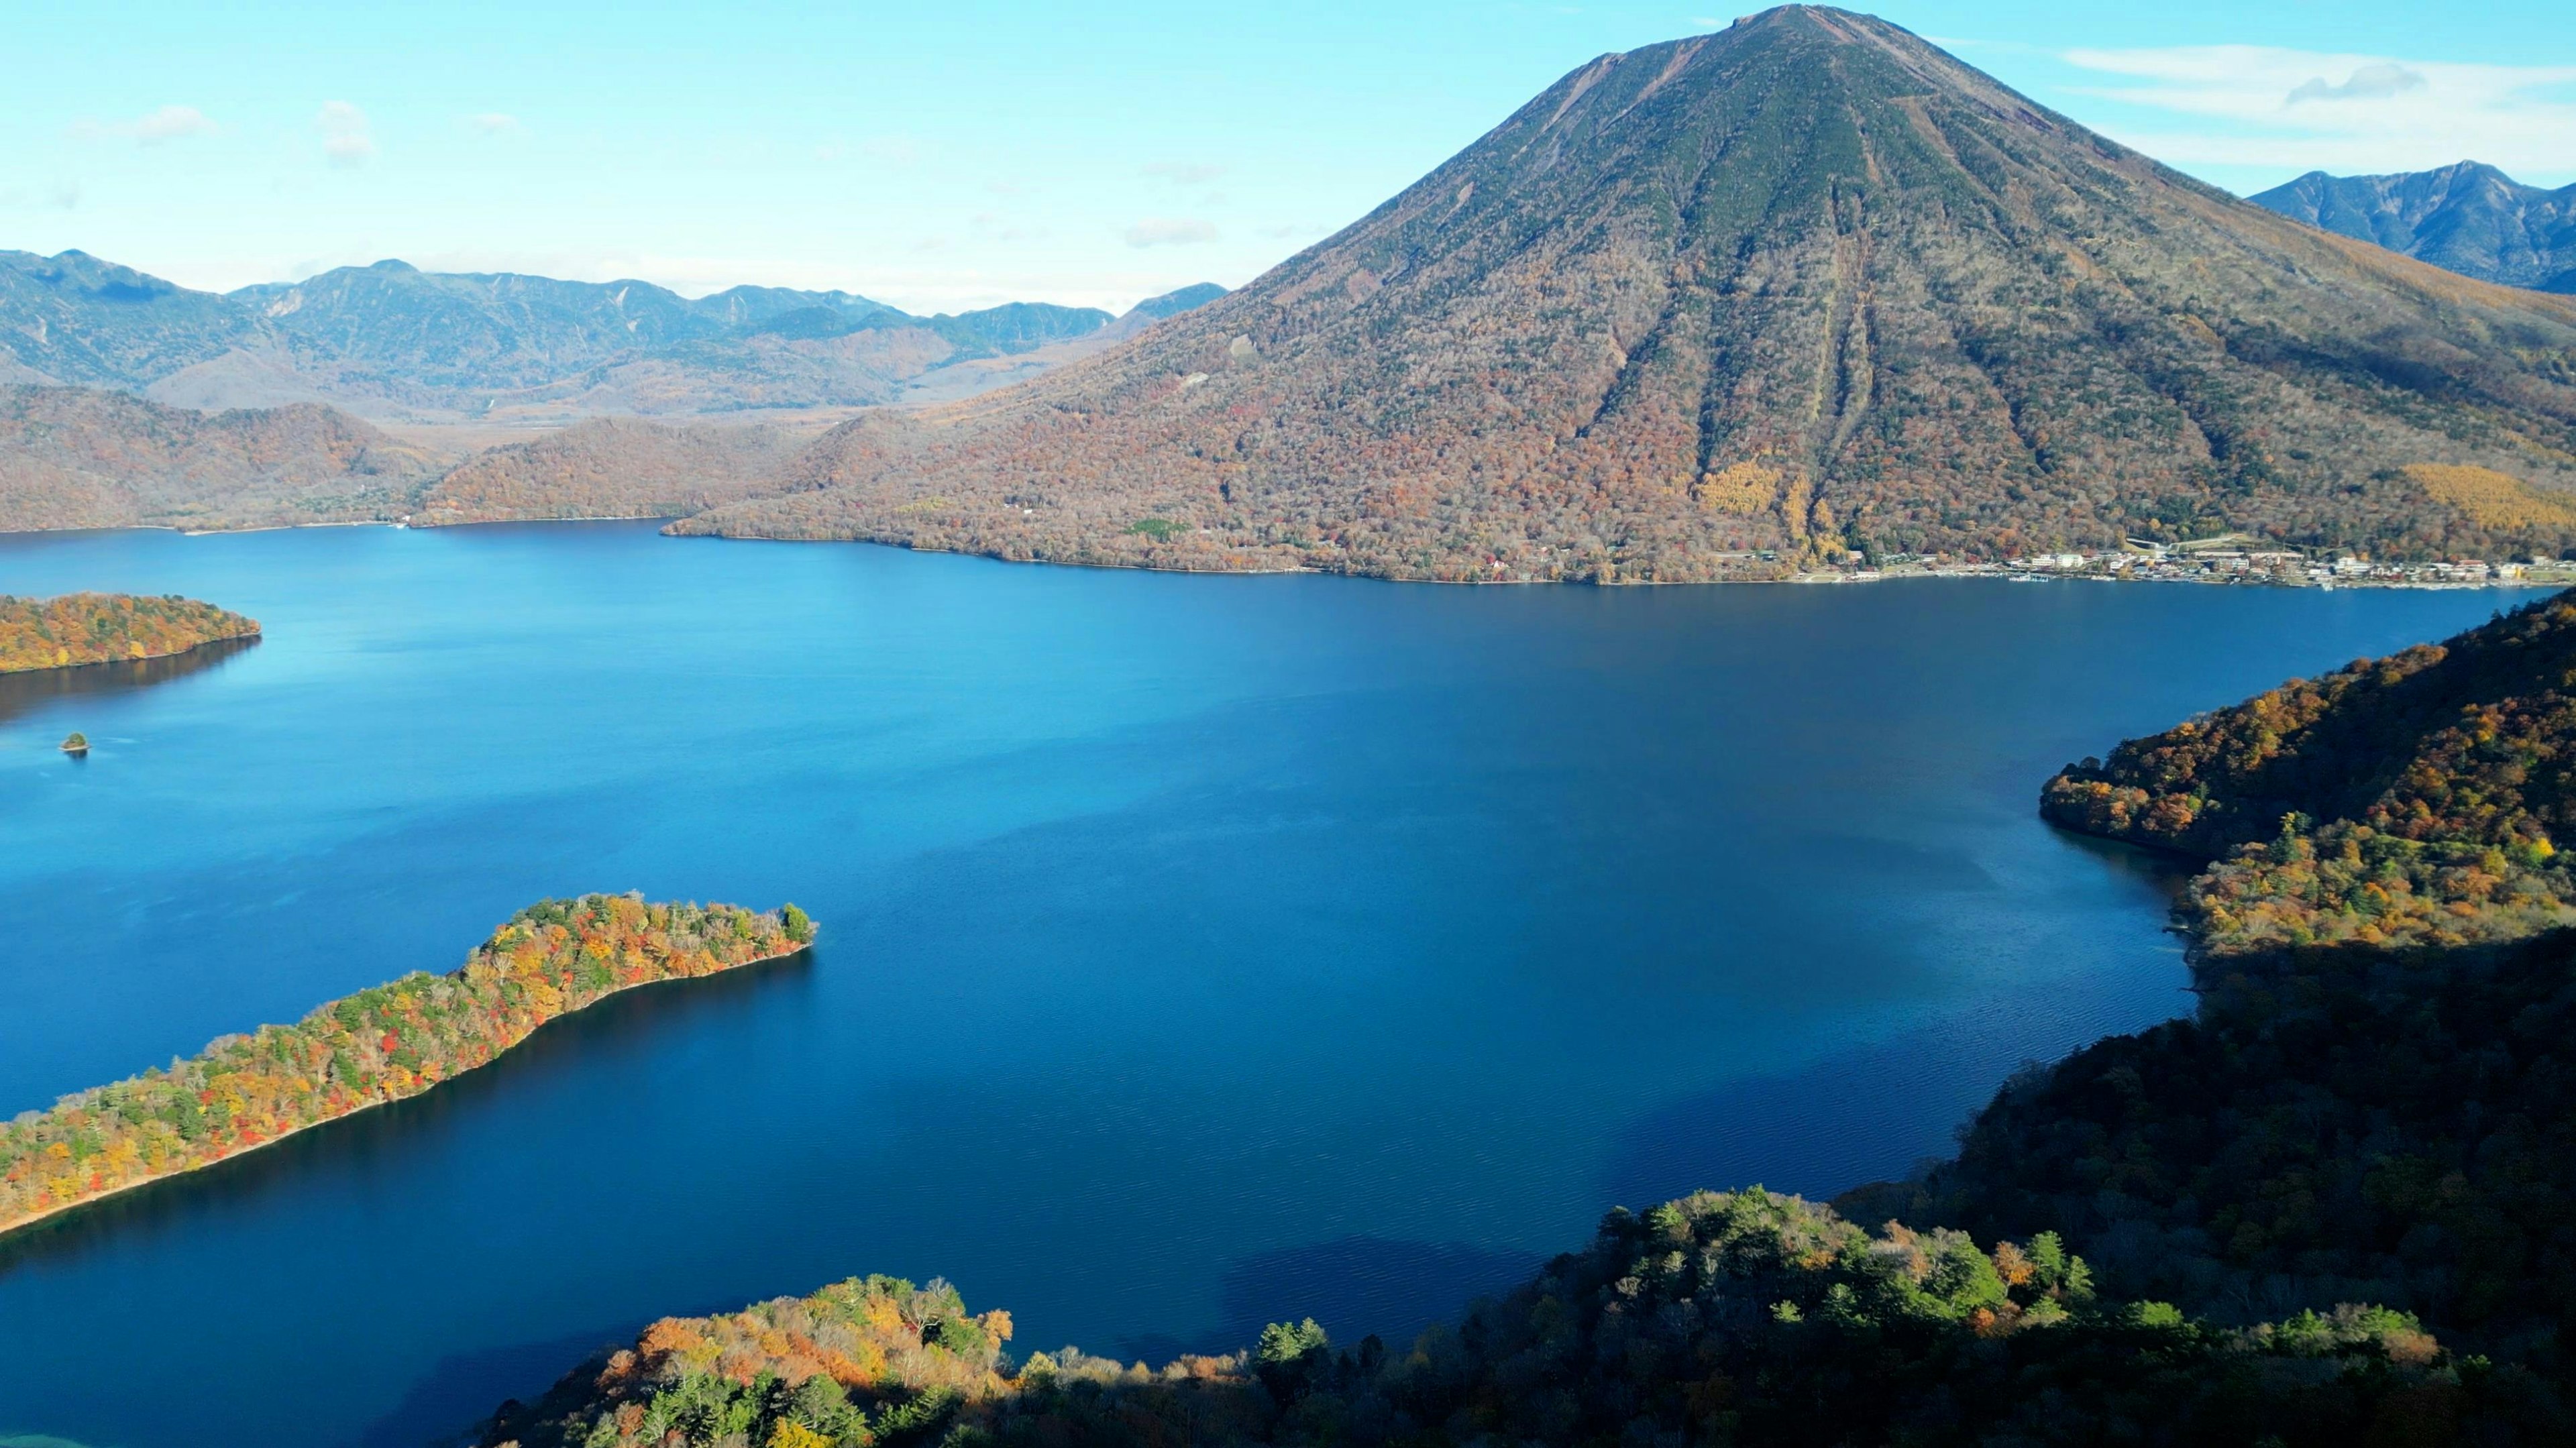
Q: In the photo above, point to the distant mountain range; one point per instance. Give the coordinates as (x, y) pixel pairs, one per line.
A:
(2471, 218)
(1738, 304)
(391, 340)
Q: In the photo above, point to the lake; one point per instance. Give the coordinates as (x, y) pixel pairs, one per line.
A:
(1197, 950)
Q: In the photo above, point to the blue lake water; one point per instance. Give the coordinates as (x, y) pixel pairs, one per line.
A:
(1197, 951)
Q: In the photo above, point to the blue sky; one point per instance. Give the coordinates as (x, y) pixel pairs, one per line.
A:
(955, 154)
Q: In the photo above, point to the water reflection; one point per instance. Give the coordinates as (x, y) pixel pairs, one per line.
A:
(22, 693)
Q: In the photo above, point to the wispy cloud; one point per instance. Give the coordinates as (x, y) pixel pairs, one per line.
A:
(2367, 83)
(1170, 231)
(346, 139)
(169, 123)
(493, 123)
(2264, 106)
(62, 196)
(1185, 173)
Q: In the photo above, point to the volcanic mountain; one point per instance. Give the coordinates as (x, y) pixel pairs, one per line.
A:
(1803, 286)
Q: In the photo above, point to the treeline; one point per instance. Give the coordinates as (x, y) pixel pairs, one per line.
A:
(1744, 1317)
(380, 1045)
(97, 628)
(2408, 800)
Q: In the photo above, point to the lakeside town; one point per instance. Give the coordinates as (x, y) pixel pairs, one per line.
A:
(2229, 559)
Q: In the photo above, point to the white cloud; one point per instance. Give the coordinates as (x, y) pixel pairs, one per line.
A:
(345, 138)
(1170, 231)
(493, 123)
(169, 123)
(1185, 173)
(2264, 106)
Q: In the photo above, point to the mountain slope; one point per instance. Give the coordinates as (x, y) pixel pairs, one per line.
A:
(611, 467)
(2472, 219)
(79, 457)
(1803, 285)
(74, 318)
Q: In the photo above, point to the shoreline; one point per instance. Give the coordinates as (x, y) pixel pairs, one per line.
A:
(9, 1229)
(1992, 572)
(254, 636)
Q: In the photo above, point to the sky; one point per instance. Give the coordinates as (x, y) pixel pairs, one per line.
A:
(960, 153)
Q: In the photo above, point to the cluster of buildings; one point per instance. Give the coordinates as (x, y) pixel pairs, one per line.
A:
(2234, 559)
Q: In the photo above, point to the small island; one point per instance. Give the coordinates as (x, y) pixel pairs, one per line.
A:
(382, 1044)
(76, 745)
(101, 628)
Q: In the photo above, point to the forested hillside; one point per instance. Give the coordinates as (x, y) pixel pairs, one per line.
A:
(78, 457)
(613, 467)
(1736, 1318)
(1806, 286)
(2411, 799)
(97, 628)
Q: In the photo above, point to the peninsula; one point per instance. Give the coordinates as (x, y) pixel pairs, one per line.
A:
(100, 628)
(382, 1044)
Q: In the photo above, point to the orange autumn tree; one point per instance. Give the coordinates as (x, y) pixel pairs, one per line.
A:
(380, 1045)
(97, 628)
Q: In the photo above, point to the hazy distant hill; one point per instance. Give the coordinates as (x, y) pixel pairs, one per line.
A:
(80, 457)
(74, 318)
(2471, 218)
(1806, 285)
(392, 339)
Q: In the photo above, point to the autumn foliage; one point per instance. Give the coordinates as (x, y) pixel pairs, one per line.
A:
(1722, 1318)
(380, 1045)
(2414, 799)
(98, 628)
(858, 1361)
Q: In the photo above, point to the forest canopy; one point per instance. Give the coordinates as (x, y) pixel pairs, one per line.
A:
(382, 1044)
(2414, 799)
(98, 628)
(1721, 1318)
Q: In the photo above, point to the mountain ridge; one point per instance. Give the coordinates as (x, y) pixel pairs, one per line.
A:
(2467, 217)
(394, 340)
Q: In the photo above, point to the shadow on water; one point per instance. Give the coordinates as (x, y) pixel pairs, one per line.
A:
(1894, 1103)
(1353, 1286)
(395, 1133)
(21, 693)
(455, 1395)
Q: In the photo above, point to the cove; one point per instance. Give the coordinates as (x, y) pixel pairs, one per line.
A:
(1203, 950)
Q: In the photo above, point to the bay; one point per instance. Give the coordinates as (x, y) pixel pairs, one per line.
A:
(1198, 950)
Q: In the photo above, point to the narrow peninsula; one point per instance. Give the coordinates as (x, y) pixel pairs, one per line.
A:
(102, 628)
(382, 1044)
